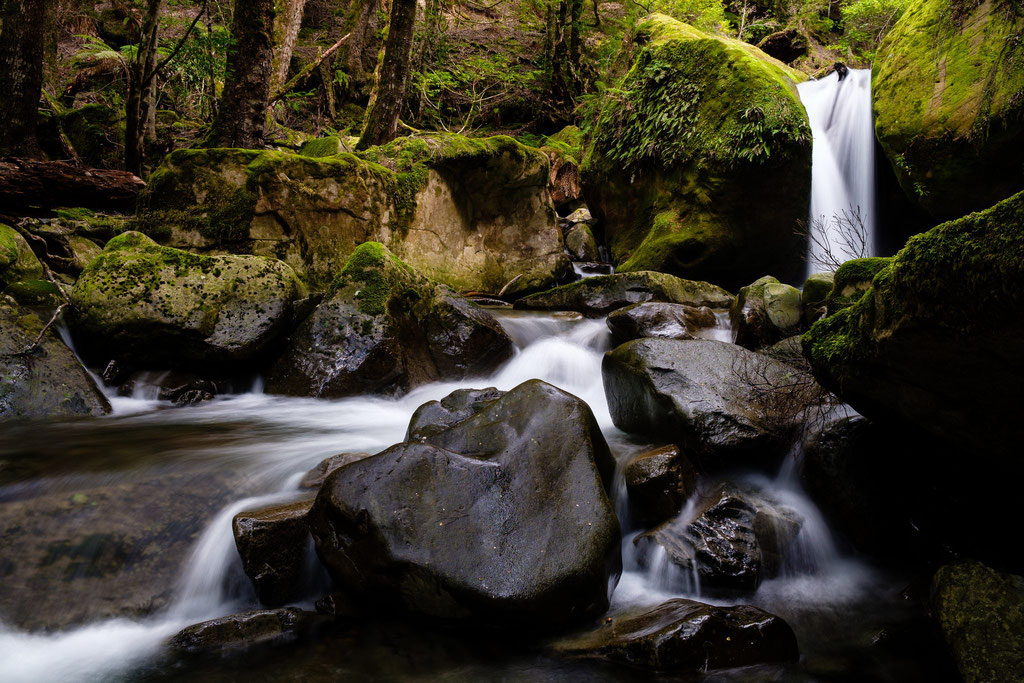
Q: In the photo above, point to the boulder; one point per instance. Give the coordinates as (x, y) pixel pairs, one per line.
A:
(273, 543)
(17, 260)
(687, 636)
(851, 280)
(715, 399)
(816, 289)
(658, 482)
(599, 296)
(702, 168)
(948, 95)
(787, 45)
(434, 417)
(764, 312)
(41, 380)
(981, 615)
(386, 328)
(655, 319)
(503, 519)
(247, 628)
(148, 305)
(580, 243)
(470, 213)
(316, 476)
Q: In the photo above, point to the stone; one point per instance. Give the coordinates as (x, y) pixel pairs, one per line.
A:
(658, 483)
(434, 417)
(246, 628)
(851, 280)
(764, 312)
(816, 289)
(316, 476)
(274, 545)
(17, 260)
(580, 243)
(655, 319)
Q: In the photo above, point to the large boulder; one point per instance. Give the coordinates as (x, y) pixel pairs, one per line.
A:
(716, 399)
(598, 296)
(981, 615)
(702, 166)
(145, 304)
(655, 319)
(386, 328)
(502, 519)
(41, 379)
(687, 636)
(471, 213)
(948, 96)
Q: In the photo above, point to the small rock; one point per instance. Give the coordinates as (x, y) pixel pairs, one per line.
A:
(658, 483)
(273, 543)
(246, 628)
(580, 243)
(655, 319)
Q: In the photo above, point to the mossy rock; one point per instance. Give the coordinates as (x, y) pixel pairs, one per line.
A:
(948, 95)
(17, 260)
(149, 305)
(935, 341)
(35, 293)
(95, 131)
(852, 279)
(765, 312)
(323, 147)
(700, 165)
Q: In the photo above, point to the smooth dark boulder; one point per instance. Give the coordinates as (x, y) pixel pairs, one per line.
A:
(315, 477)
(436, 416)
(658, 483)
(273, 543)
(246, 628)
(502, 519)
(681, 636)
(385, 329)
(655, 319)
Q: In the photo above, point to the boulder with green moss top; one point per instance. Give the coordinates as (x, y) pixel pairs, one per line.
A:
(471, 213)
(323, 147)
(948, 95)
(815, 292)
(765, 312)
(852, 279)
(17, 260)
(935, 342)
(702, 166)
(386, 328)
(44, 379)
(598, 296)
(144, 304)
(95, 132)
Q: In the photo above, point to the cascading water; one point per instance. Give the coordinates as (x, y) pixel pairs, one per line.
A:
(842, 216)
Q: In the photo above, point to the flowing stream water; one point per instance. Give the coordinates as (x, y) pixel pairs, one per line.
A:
(842, 168)
(272, 441)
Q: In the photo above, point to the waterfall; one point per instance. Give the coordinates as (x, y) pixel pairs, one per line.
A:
(842, 168)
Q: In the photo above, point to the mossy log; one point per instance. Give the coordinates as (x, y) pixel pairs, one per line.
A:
(27, 183)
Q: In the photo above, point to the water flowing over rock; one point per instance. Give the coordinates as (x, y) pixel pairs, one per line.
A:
(703, 167)
(597, 296)
(386, 328)
(143, 304)
(688, 636)
(501, 519)
(273, 544)
(658, 483)
(654, 319)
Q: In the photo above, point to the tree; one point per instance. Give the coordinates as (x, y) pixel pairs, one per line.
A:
(381, 124)
(141, 105)
(242, 115)
(287, 24)
(21, 75)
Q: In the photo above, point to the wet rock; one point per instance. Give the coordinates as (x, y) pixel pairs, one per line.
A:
(851, 280)
(981, 615)
(668, 321)
(598, 296)
(715, 399)
(580, 243)
(815, 292)
(273, 543)
(592, 268)
(658, 483)
(765, 312)
(315, 477)
(337, 605)
(580, 215)
(688, 636)
(246, 628)
(434, 417)
(387, 329)
(17, 260)
(502, 519)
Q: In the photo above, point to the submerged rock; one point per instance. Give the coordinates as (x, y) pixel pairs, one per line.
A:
(246, 628)
(386, 328)
(668, 321)
(658, 483)
(149, 305)
(597, 296)
(502, 519)
(688, 636)
(274, 544)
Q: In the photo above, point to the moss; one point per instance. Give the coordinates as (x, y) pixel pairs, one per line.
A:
(567, 143)
(17, 260)
(34, 293)
(376, 272)
(322, 147)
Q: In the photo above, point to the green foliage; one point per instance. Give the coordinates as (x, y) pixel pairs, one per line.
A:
(185, 77)
(866, 22)
(707, 15)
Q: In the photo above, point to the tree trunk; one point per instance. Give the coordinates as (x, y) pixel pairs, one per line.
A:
(242, 115)
(27, 183)
(381, 125)
(287, 23)
(22, 44)
(141, 93)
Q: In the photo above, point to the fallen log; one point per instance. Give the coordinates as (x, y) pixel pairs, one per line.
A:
(30, 183)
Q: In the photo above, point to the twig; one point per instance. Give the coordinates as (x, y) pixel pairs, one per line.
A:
(308, 69)
(56, 314)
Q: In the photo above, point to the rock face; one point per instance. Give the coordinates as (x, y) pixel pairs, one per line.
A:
(246, 628)
(735, 539)
(765, 312)
(658, 483)
(948, 96)
(981, 615)
(597, 296)
(668, 321)
(502, 519)
(470, 213)
(386, 328)
(145, 304)
(316, 476)
(273, 543)
(685, 635)
(48, 381)
(703, 168)
(714, 398)
(936, 341)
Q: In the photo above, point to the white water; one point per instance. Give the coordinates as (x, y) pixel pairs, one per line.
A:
(843, 167)
(563, 349)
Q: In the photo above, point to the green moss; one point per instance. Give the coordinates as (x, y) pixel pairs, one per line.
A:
(75, 213)
(34, 293)
(567, 143)
(322, 147)
(375, 272)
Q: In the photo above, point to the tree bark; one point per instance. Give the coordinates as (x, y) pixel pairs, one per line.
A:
(381, 125)
(287, 23)
(28, 183)
(242, 115)
(141, 93)
(22, 44)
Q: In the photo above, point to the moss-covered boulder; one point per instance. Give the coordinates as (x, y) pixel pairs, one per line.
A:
(935, 342)
(815, 291)
(17, 260)
(44, 379)
(471, 213)
(765, 312)
(386, 328)
(852, 279)
(700, 165)
(148, 305)
(948, 95)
